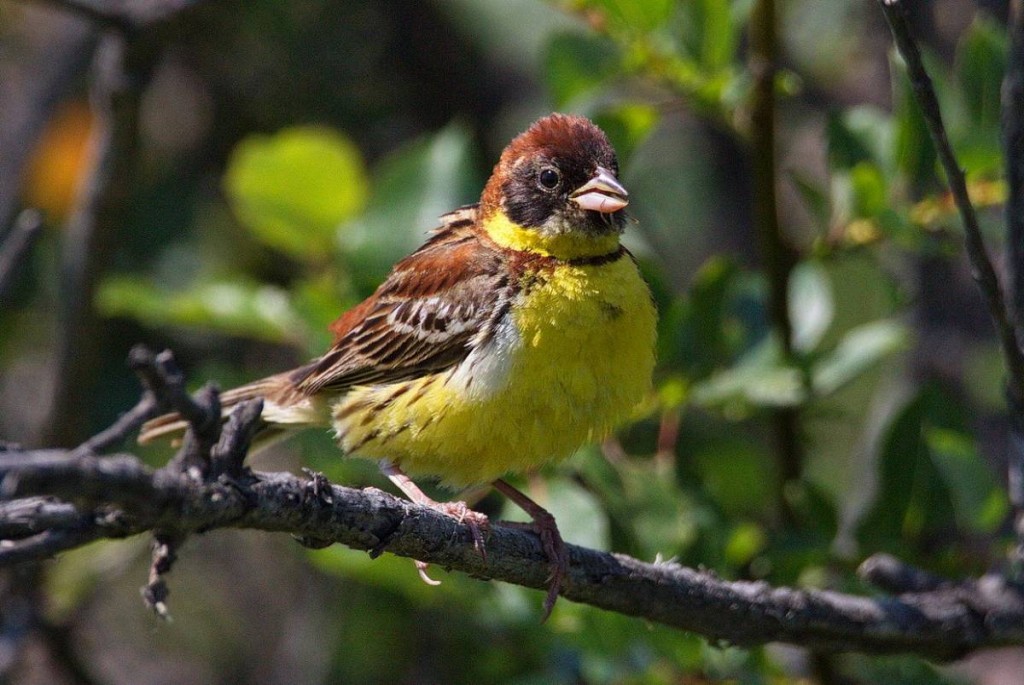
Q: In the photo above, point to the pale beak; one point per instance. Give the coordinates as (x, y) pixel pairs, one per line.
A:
(602, 193)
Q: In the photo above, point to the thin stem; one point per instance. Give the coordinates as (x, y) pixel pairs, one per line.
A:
(981, 266)
(16, 246)
(777, 254)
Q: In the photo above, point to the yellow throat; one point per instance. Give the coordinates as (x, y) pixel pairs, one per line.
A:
(570, 245)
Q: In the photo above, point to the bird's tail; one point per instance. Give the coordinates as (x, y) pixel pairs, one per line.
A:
(285, 410)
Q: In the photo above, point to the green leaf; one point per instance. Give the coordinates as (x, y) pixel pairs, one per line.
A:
(859, 134)
(633, 16)
(978, 502)
(910, 493)
(816, 200)
(693, 331)
(412, 188)
(914, 154)
(293, 188)
(980, 65)
(810, 305)
(860, 349)
(869, 191)
(745, 541)
(627, 127)
(814, 507)
(718, 43)
(932, 478)
(575, 63)
(736, 472)
(238, 308)
(759, 379)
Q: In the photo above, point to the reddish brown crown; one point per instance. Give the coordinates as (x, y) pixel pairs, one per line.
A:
(560, 137)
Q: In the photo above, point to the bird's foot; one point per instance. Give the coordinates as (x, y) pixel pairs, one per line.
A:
(550, 538)
(477, 523)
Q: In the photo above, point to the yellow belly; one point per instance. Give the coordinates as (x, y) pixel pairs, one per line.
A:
(571, 361)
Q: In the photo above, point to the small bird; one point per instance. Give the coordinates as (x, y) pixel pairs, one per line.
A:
(521, 330)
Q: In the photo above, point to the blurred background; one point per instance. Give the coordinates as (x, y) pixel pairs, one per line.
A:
(230, 178)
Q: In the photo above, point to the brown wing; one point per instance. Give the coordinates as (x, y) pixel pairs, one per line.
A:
(434, 307)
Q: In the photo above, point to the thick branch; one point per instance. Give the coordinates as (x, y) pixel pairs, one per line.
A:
(125, 498)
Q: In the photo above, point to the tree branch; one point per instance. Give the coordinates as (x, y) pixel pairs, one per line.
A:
(124, 497)
(54, 500)
(778, 255)
(981, 266)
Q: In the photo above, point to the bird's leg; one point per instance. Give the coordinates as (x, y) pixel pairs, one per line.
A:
(545, 526)
(477, 522)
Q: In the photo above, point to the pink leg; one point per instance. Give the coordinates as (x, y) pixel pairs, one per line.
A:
(476, 521)
(545, 526)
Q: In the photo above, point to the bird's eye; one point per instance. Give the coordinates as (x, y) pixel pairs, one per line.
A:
(549, 178)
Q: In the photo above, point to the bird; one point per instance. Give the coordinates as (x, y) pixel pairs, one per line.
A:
(519, 331)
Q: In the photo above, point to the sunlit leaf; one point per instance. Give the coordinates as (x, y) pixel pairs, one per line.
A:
(860, 349)
(810, 305)
(745, 541)
(293, 188)
(630, 15)
(869, 190)
(230, 307)
(760, 379)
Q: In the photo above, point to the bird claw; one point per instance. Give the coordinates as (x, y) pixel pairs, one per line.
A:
(557, 553)
(421, 568)
(477, 523)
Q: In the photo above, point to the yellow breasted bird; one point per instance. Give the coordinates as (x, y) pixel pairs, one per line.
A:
(518, 332)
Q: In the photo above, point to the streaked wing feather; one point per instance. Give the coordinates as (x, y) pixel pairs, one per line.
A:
(433, 308)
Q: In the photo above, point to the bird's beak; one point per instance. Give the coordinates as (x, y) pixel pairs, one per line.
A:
(602, 193)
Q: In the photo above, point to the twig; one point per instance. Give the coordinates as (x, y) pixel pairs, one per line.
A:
(778, 256)
(16, 245)
(164, 391)
(936, 624)
(24, 518)
(228, 456)
(892, 575)
(981, 266)
(47, 545)
(155, 591)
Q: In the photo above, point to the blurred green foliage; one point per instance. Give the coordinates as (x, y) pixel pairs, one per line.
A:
(891, 456)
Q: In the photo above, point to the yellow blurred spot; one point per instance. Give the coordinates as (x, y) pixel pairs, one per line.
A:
(59, 161)
(984, 193)
(862, 231)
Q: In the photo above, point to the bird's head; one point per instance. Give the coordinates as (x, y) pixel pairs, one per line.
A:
(555, 190)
